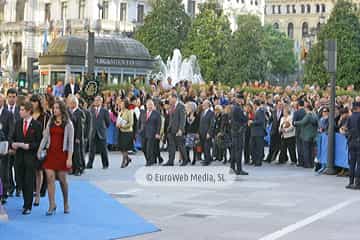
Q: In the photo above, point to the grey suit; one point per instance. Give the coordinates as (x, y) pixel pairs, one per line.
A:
(7, 123)
(207, 122)
(238, 126)
(177, 122)
(258, 131)
(99, 124)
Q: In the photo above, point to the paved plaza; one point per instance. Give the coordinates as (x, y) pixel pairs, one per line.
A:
(273, 202)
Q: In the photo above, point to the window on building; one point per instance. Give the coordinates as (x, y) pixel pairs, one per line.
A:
(82, 9)
(256, 2)
(279, 9)
(323, 8)
(64, 10)
(251, 2)
(317, 8)
(276, 26)
(2, 7)
(287, 8)
(293, 8)
(20, 8)
(273, 9)
(140, 13)
(17, 55)
(302, 8)
(123, 11)
(105, 10)
(242, 1)
(290, 30)
(191, 8)
(305, 29)
(308, 8)
(47, 12)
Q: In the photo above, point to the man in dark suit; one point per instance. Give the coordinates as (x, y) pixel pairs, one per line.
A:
(176, 130)
(151, 132)
(25, 141)
(299, 114)
(258, 132)
(275, 137)
(87, 125)
(72, 88)
(77, 118)
(206, 131)
(11, 96)
(7, 125)
(100, 121)
(238, 125)
(353, 132)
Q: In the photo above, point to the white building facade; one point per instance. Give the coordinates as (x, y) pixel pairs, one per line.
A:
(28, 26)
(231, 8)
(25, 25)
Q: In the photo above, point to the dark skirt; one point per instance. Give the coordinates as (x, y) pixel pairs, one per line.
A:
(126, 142)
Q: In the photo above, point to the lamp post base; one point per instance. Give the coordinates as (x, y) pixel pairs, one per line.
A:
(330, 171)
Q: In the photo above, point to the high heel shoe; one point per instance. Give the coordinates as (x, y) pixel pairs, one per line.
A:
(128, 162)
(66, 210)
(51, 212)
(36, 203)
(123, 164)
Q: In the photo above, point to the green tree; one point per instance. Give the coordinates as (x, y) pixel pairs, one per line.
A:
(209, 39)
(344, 26)
(246, 54)
(165, 27)
(315, 71)
(279, 53)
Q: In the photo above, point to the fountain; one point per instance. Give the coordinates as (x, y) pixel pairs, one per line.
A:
(178, 69)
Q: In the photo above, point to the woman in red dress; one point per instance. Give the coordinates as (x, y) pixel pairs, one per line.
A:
(58, 141)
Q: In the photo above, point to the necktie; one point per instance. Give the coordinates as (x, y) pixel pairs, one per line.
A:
(172, 109)
(25, 128)
(97, 112)
(12, 109)
(148, 115)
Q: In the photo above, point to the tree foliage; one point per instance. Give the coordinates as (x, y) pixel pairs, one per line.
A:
(344, 26)
(247, 61)
(165, 27)
(209, 39)
(279, 52)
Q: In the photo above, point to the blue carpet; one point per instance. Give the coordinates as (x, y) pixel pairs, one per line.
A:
(94, 216)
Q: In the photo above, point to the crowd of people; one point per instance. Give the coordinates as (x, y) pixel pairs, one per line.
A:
(49, 135)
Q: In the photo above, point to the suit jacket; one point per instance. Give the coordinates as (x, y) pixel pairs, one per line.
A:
(141, 123)
(207, 123)
(100, 123)
(308, 125)
(77, 119)
(238, 120)
(87, 123)
(33, 138)
(298, 116)
(258, 127)
(16, 113)
(152, 125)
(177, 119)
(67, 90)
(275, 123)
(7, 122)
(128, 116)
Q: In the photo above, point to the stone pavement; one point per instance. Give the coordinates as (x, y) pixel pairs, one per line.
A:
(273, 202)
